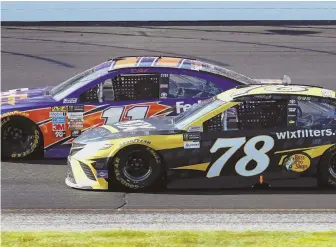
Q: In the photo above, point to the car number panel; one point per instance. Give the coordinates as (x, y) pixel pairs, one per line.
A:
(238, 159)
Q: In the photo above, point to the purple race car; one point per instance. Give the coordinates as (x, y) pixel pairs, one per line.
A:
(46, 120)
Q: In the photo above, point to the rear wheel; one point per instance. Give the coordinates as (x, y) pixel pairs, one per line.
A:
(327, 169)
(20, 138)
(136, 168)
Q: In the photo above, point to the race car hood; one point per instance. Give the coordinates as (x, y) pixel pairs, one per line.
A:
(21, 96)
(126, 129)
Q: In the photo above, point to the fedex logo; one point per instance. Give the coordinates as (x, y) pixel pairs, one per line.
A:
(58, 127)
(181, 107)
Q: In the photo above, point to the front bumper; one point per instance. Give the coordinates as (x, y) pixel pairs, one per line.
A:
(82, 175)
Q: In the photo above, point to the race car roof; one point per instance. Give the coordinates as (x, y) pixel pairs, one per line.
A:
(303, 90)
(177, 62)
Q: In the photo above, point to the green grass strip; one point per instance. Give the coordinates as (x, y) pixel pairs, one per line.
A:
(123, 238)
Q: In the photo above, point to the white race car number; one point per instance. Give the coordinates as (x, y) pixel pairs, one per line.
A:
(116, 114)
(251, 153)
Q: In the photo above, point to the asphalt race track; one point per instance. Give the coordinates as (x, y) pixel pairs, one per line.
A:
(33, 56)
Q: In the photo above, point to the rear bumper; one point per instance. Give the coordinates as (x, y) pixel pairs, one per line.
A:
(82, 175)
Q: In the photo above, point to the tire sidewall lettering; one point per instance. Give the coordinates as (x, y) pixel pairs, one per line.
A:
(117, 167)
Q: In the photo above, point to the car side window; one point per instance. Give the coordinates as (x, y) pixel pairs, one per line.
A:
(314, 114)
(92, 95)
(250, 115)
(185, 86)
(132, 87)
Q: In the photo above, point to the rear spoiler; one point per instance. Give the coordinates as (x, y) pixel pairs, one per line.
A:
(286, 80)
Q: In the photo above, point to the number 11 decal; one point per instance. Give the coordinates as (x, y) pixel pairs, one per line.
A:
(251, 153)
(116, 114)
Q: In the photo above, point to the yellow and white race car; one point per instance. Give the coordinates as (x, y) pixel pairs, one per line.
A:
(276, 135)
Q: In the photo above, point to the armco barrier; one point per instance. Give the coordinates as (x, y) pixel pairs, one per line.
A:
(166, 11)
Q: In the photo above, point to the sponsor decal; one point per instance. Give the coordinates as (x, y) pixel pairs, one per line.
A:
(181, 107)
(135, 141)
(58, 127)
(59, 108)
(75, 115)
(76, 125)
(304, 133)
(297, 162)
(262, 96)
(304, 98)
(75, 133)
(327, 93)
(192, 136)
(76, 108)
(139, 70)
(16, 113)
(59, 134)
(164, 96)
(291, 122)
(192, 144)
(163, 85)
(102, 173)
(291, 109)
(70, 101)
(195, 129)
(54, 114)
(293, 102)
(58, 120)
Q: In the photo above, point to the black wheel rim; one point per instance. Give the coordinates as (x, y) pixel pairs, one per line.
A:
(137, 168)
(16, 138)
(332, 167)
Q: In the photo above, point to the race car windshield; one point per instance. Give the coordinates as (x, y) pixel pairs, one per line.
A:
(71, 85)
(196, 111)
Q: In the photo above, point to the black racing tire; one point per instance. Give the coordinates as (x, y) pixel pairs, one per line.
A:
(136, 168)
(20, 138)
(327, 169)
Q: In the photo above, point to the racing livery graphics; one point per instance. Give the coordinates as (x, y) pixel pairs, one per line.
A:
(238, 138)
(45, 120)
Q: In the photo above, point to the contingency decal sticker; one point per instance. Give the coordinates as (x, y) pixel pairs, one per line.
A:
(76, 119)
(58, 120)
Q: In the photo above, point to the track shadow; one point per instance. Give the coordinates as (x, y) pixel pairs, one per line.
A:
(249, 190)
(232, 191)
(54, 61)
(45, 161)
(292, 32)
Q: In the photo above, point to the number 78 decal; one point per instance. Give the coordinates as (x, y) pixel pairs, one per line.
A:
(251, 153)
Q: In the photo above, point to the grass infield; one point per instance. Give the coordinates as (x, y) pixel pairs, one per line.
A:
(122, 238)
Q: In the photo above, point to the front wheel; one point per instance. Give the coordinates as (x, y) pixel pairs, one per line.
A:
(327, 169)
(20, 138)
(136, 168)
